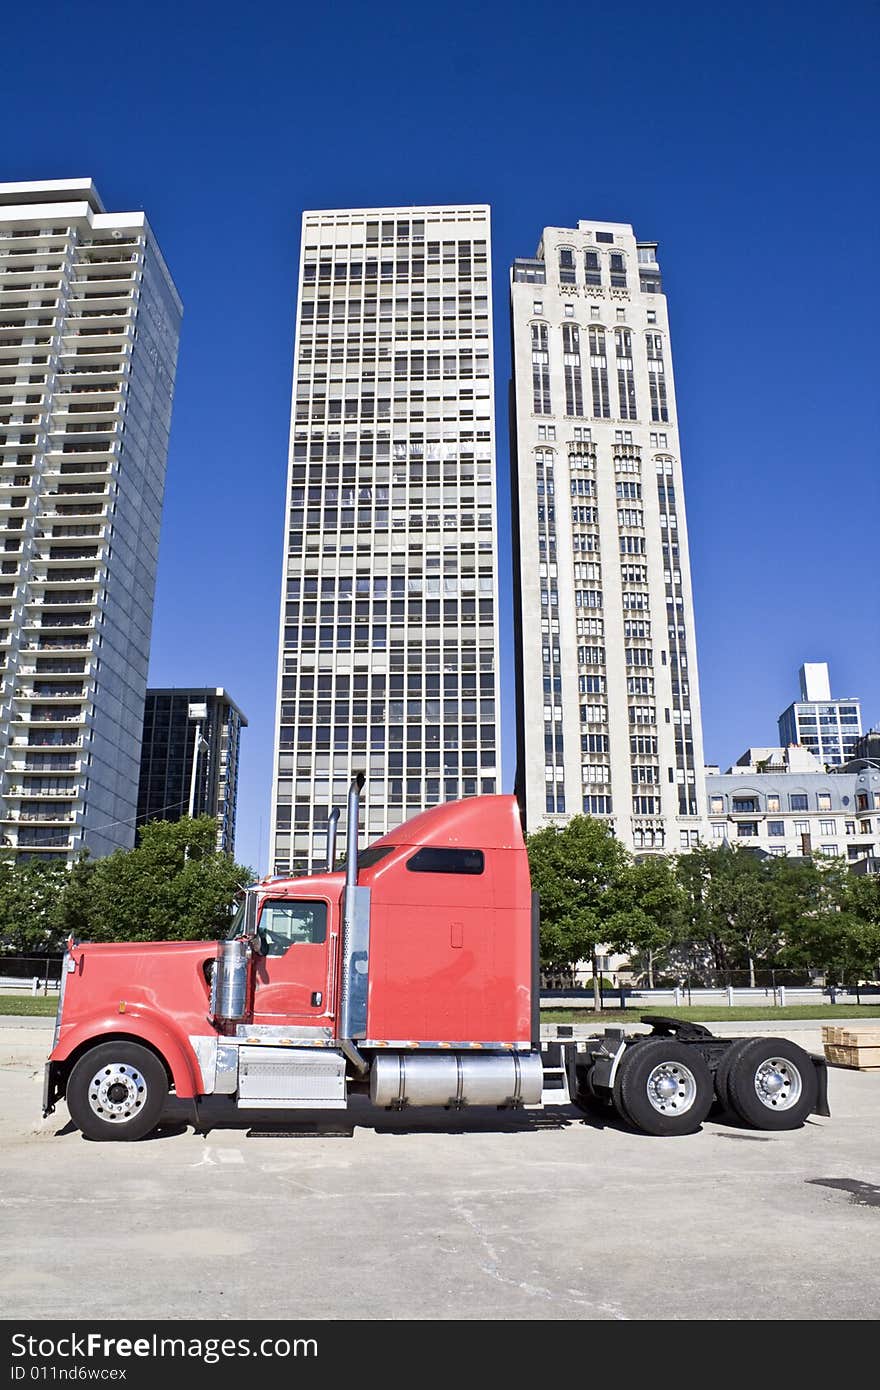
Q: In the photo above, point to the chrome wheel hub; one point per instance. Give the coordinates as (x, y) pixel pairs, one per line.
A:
(117, 1092)
(778, 1083)
(672, 1088)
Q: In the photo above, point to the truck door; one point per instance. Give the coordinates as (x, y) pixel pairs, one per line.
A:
(292, 979)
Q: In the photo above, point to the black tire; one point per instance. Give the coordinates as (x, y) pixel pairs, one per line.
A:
(117, 1091)
(723, 1070)
(646, 1070)
(768, 1096)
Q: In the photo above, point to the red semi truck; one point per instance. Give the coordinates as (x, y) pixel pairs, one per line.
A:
(413, 977)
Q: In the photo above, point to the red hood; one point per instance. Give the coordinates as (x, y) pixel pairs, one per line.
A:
(140, 977)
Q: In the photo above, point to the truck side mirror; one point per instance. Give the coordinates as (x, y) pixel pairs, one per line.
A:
(250, 916)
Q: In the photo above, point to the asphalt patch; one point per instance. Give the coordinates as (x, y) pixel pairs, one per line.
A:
(861, 1194)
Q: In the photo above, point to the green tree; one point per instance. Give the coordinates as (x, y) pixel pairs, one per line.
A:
(31, 895)
(839, 933)
(731, 914)
(577, 871)
(648, 911)
(175, 886)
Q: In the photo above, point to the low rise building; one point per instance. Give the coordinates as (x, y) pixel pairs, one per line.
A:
(783, 801)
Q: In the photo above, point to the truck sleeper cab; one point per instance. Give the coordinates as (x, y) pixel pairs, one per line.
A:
(413, 976)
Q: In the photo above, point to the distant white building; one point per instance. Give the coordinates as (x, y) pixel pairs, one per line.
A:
(783, 801)
(828, 728)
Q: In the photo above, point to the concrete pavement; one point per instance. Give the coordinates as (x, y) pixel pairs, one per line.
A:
(431, 1215)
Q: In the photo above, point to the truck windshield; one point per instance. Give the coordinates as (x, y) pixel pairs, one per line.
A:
(237, 926)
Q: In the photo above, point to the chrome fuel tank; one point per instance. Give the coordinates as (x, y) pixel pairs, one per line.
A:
(456, 1079)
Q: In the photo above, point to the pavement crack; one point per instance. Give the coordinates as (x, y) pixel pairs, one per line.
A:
(491, 1267)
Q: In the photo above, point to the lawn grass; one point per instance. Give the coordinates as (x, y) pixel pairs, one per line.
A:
(715, 1014)
(29, 1005)
(44, 1006)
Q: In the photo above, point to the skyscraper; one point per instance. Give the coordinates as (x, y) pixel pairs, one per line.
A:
(607, 695)
(829, 728)
(388, 638)
(182, 726)
(89, 325)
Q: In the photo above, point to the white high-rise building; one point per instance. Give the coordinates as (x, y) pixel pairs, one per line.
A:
(388, 645)
(89, 326)
(608, 700)
(830, 729)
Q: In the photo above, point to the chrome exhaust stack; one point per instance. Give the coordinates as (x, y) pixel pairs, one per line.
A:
(355, 930)
(332, 823)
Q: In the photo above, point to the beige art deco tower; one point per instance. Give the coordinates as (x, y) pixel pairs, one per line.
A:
(608, 710)
(388, 642)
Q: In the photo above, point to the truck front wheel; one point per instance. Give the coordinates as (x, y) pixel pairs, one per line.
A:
(117, 1091)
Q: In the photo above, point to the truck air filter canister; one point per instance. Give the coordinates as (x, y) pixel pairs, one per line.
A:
(456, 1079)
(229, 995)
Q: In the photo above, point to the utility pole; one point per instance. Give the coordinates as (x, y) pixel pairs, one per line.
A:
(198, 713)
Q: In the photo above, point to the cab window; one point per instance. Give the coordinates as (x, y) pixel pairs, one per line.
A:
(285, 924)
(446, 861)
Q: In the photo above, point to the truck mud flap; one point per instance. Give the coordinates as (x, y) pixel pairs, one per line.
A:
(822, 1107)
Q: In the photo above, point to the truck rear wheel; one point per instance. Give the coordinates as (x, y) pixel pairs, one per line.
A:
(724, 1068)
(664, 1087)
(117, 1091)
(772, 1084)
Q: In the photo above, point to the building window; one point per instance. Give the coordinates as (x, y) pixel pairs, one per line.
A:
(567, 274)
(747, 829)
(773, 803)
(599, 374)
(626, 386)
(775, 827)
(537, 307)
(824, 800)
(745, 805)
(618, 271)
(569, 311)
(574, 391)
(827, 827)
(716, 805)
(540, 369)
(719, 832)
(797, 801)
(652, 316)
(592, 269)
(605, 236)
(802, 827)
(656, 377)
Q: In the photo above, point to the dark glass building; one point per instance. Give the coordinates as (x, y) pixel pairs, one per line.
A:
(179, 723)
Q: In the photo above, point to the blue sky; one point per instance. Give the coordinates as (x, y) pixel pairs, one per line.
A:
(743, 139)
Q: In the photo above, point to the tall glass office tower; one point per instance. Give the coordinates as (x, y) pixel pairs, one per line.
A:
(89, 326)
(388, 646)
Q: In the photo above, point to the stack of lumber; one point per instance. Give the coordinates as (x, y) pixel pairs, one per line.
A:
(852, 1047)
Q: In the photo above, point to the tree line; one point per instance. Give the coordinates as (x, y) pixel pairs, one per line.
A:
(174, 886)
(706, 914)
